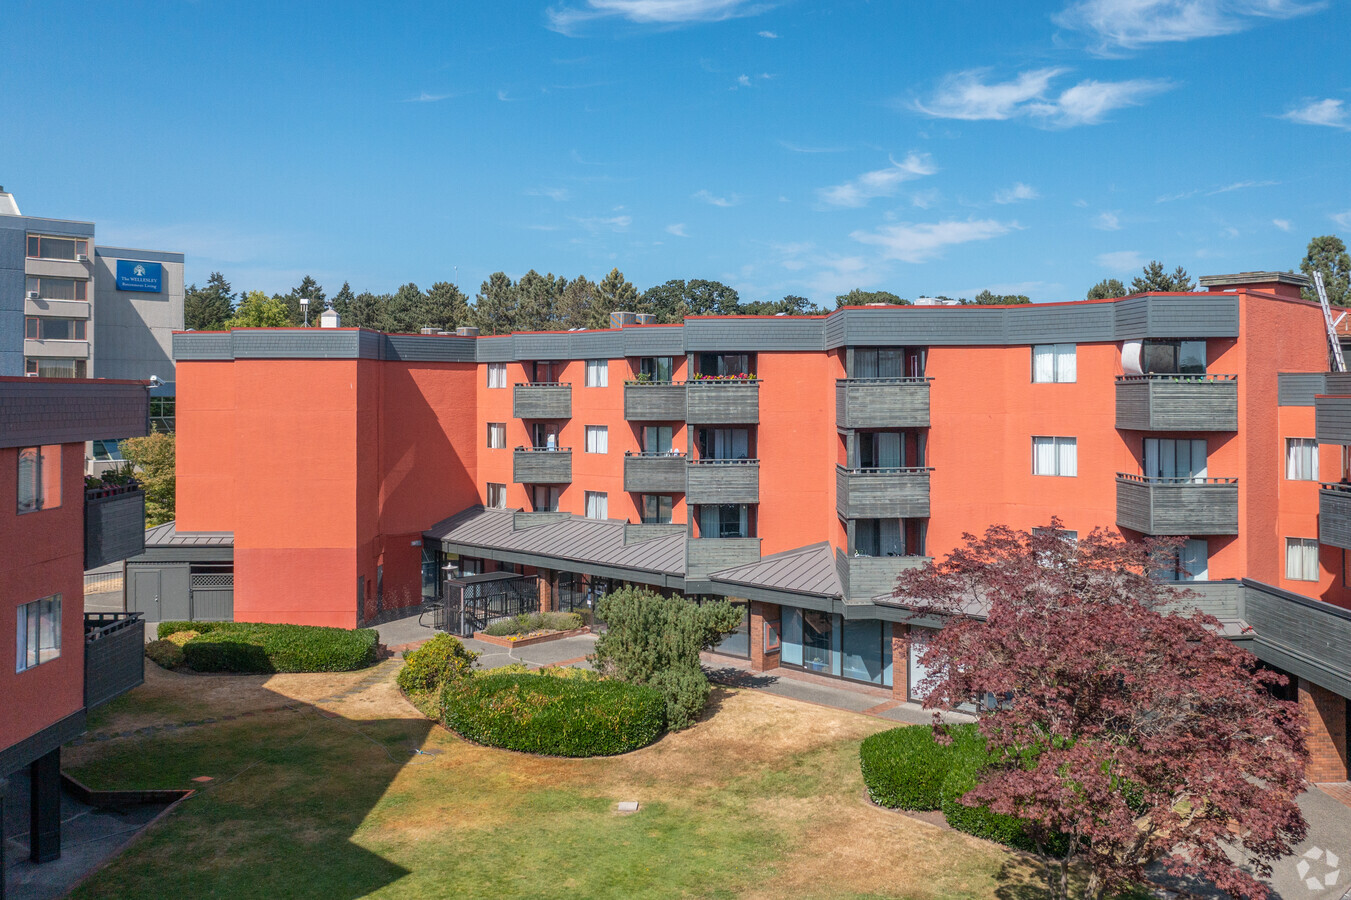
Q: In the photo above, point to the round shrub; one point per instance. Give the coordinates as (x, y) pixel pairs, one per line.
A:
(554, 716)
(904, 768)
(435, 662)
(165, 654)
(251, 647)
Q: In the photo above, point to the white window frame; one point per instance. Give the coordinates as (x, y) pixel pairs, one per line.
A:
(597, 373)
(597, 505)
(1301, 559)
(1301, 459)
(1064, 456)
(497, 375)
(1060, 366)
(597, 439)
(497, 435)
(498, 502)
(29, 631)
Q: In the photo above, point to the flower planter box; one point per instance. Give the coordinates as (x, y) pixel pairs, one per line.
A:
(514, 640)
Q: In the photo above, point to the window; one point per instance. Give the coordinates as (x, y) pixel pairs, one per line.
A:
(1175, 459)
(1055, 456)
(1054, 363)
(162, 414)
(54, 368)
(547, 372)
(58, 288)
(597, 373)
(1301, 559)
(39, 478)
(881, 450)
(497, 496)
(497, 435)
(41, 328)
(878, 537)
(657, 438)
(724, 443)
(656, 368)
(725, 521)
(894, 362)
(597, 505)
(597, 439)
(1190, 562)
(107, 450)
(1301, 459)
(43, 247)
(1173, 357)
(39, 632)
(497, 375)
(545, 497)
(656, 509)
(545, 435)
(711, 364)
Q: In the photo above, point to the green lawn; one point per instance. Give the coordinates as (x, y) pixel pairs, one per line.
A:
(762, 799)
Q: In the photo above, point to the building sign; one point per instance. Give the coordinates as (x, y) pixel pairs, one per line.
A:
(140, 276)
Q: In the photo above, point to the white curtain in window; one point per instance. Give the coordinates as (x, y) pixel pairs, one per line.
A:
(865, 363)
(21, 654)
(597, 505)
(1043, 456)
(1043, 363)
(890, 363)
(708, 521)
(28, 479)
(1195, 561)
(1066, 364)
(497, 375)
(1301, 459)
(1151, 457)
(1301, 559)
(597, 373)
(1067, 452)
(890, 450)
(597, 439)
(731, 443)
(889, 535)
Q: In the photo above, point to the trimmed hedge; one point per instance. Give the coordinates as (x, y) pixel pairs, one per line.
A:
(905, 768)
(978, 820)
(252, 647)
(164, 653)
(554, 716)
(434, 663)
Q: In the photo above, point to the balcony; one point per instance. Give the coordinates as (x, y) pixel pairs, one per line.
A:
(882, 402)
(1332, 416)
(114, 655)
(705, 555)
(637, 533)
(1334, 515)
(901, 493)
(540, 465)
(731, 401)
(1177, 402)
(654, 401)
(723, 481)
(654, 473)
(114, 525)
(542, 400)
(1177, 506)
(867, 577)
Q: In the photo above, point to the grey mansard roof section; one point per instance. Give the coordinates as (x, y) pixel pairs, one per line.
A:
(1128, 318)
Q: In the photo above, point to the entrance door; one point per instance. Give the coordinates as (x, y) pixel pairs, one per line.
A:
(919, 639)
(145, 593)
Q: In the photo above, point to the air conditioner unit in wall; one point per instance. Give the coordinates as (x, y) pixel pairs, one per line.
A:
(81, 257)
(32, 295)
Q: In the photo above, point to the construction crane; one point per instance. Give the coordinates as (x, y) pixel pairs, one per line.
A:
(1338, 361)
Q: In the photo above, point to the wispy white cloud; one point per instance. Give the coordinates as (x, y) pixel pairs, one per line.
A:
(708, 197)
(1239, 186)
(743, 81)
(799, 148)
(613, 223)
(504, 97)
(968, 96)
(768, 34)
(1117, 25)
(678, 229)
(1120, 260)
(1342, 219)
(1331, 113)
(878, 183)
(1282, 224)
(557, 194)
(425, 97)
(1016, 193)
(917, 243)
(926, 199)
(567, 19)
(1107, 221)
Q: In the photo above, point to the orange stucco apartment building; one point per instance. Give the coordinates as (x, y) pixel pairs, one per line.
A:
(796, 464)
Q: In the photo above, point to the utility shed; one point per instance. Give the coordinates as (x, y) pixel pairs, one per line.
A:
(182, 575)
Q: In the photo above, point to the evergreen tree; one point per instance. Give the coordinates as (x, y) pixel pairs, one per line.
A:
(311, 290)
(536, 297)
(1327, 254)
(857, 297)
(1154, 278)
(368, 310)
(581, 306)
(208, 308)
(614, 292)
(495, 306)
(1107, 289)
(402, 309)
(342, 303)
(443, 307)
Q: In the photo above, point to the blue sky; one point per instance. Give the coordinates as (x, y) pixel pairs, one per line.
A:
(782, 147)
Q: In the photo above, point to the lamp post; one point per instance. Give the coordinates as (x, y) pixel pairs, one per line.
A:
(305, 310)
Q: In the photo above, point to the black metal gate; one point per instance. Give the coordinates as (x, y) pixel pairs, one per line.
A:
(474, 602)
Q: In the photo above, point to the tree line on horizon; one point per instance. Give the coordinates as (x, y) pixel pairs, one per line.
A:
(536, 302)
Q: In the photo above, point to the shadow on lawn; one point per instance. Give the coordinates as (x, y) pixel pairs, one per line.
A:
(739, 678)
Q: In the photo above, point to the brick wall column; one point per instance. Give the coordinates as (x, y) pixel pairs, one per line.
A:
(900, 662)
(761, 613)
(548, 601)
(1325, 713)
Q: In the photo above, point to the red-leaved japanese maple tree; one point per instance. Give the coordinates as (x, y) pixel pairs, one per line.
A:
(1132, 733)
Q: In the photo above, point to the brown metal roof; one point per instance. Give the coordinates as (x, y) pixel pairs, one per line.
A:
(806, 570)
(168, 535)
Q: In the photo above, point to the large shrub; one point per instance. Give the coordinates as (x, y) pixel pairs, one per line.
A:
(528, 622)
(656, 640)
(266, 648)
(905, 768)
(553, 716)
(434, 663)
(978, 820)
(166, 654)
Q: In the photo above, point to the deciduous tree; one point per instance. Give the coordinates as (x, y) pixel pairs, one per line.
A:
(1154, 278)
(676, 299)
(258, 310)
(1327, 254)
(858, 297)
(152, 458)
(987, 298)
(1135, 734)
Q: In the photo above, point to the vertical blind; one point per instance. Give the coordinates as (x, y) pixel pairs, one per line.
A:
(1172, 458)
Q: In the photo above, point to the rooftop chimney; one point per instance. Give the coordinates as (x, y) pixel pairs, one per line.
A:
(8, 205)
(328, 318)
(1282, 284)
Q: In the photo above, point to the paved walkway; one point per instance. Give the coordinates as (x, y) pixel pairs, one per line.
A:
(406, 633)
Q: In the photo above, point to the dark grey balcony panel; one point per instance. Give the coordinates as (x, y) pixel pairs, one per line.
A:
(723, 481)
(525, 518)
(654, 474)
(114, 656)
(542, 401)
(542, 466)
(1332, 417)
(636, 534)
(1176, 506)
(872, 576)
(1177, 403)
(882, 493)
(1334, 516)
(722, 402)
(114, 528)
(882, 402)
(705, 555)
(660, 401)
(655, 340)
(494, 348)
(1302, 635)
